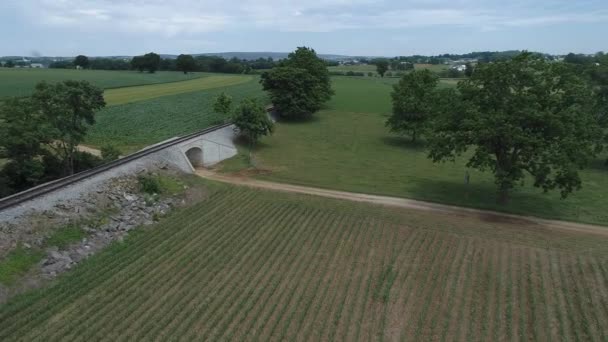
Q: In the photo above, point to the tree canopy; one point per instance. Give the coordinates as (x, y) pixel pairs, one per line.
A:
(525, 115)
(150, 62)
(69, 107)
(252, 121)
(185, 63)
(381, 66)
(222, 104)
(82, 61)
(300, 85)
(413, 98)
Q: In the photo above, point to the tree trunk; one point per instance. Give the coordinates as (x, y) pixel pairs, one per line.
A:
(414, 136)
(503, 196)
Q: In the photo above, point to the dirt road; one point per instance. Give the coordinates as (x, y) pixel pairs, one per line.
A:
(403, 203)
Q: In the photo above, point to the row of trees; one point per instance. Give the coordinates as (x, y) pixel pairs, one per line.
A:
(524, 116)
(152, 62)
(39, 135)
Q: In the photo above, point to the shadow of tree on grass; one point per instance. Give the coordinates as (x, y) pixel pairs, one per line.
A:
(484, 196)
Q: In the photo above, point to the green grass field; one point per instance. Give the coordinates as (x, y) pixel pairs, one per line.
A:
(372, 68)
(432, 67)
(21, 82)
(347, 147)
(356, 68)
(261, 266)
(140, 93)
(132, 126)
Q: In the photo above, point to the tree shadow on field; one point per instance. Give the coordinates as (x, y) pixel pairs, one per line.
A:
(484, 196)
(299, 120)
(599, 164)
(404, 142)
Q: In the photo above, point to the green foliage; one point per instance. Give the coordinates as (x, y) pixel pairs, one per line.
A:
(63, 237)
(522, 115)
(9, 64)
(82, 61)
(468, 72)
(23, 132)
(110, 152)
(222, 104)
(349, 148)
(149, 184)
(252, 121)
(413, 100)
(70, 108)
(17, 262)
(300, 86)
(149, 62)
(132, 126)
(54, 166)
(185, 63)
(381, 66)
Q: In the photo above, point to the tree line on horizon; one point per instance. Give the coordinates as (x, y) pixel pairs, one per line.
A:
(152, 62)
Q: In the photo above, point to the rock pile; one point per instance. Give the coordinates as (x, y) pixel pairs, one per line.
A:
(129, 210)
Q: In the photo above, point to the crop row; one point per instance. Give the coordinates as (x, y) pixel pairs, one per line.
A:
(249, 265)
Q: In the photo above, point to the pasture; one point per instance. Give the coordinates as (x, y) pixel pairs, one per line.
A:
(140, 93)
(365, 68)
(132, 126)
(347, 147)
(256, 265)
(21, 82)
(356, 68)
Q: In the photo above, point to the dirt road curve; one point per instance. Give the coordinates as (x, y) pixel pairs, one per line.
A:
(402, 203)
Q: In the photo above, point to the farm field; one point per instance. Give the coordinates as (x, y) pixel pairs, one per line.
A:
(356, 68)
(132, 126)
(432, 67)
(347, 147)
(255, 265)
(21, 82)
(139, 93)
(372, 68)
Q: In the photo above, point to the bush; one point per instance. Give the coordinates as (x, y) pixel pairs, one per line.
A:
(109, 153)
(370, 74)
(149, 184)
(252, 121)
(54, 167)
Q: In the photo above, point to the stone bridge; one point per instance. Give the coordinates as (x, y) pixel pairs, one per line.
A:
(201, 149)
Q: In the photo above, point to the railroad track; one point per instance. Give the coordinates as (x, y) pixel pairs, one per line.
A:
(51, 186)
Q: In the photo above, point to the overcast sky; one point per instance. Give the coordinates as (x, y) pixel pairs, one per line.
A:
(352, 27)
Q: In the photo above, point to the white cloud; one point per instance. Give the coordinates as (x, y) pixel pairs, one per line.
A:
(191, 17)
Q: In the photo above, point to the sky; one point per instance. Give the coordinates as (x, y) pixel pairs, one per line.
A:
(349, 27)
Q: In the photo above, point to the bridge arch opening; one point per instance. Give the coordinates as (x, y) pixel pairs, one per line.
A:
(195, 157)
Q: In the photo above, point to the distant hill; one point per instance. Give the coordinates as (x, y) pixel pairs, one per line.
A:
(256, 55)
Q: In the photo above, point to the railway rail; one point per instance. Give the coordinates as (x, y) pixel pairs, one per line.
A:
(24, 196)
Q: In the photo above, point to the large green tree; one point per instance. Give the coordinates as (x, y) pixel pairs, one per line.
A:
(185, 63)
(381, 66)
(300, 85)
(149, 62)
(518, 117)
(414, 98)
(82, 61)
(69, 108)
(23, 132)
